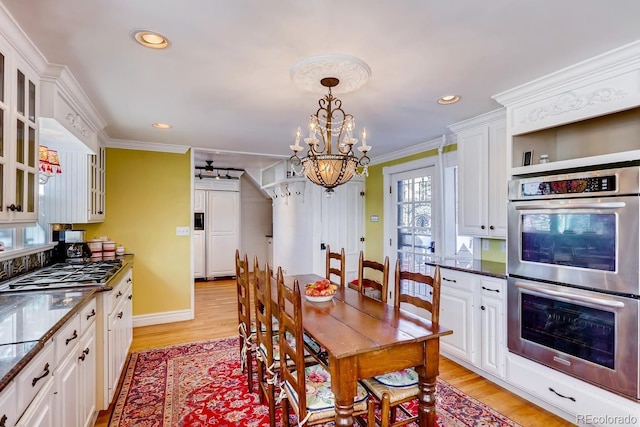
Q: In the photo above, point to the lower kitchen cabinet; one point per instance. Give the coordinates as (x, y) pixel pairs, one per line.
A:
(114, 332)
(473, 307)
(41, 412)
(199, 254)
(87, 376)
(35, 390)
(8, 403)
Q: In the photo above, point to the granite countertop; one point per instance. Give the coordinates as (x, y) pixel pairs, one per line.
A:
(475, 266)
(29, 319)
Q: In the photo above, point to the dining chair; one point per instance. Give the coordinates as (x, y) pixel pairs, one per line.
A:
(246, 328)
(334, 258)
(307, 389)
(397, 388)
(377, 287)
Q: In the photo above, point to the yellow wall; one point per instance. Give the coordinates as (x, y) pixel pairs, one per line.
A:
(374, 202)
(148, 195)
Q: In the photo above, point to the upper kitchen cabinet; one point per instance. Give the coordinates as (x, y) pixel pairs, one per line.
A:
(581, 116)
(67, 124)
(18, 138)
(482, 166)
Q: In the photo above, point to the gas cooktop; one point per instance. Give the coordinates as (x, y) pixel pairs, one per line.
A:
(65, 275)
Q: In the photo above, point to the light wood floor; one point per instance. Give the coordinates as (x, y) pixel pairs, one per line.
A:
(216, 317)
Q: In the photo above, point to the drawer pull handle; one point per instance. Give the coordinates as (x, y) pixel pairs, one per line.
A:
(120, 315)
(449, 280)
(90, 315)
(3, 421)
(573, 399)
(84, 354)
(129, 280)
(492, 290)
(73, 337)
(130, 297)
(44, 374)
(119, 294)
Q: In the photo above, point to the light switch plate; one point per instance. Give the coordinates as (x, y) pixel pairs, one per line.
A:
(485, 244)
(182, 231)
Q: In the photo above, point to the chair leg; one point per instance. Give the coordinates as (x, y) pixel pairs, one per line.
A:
(250, 370)
(371, 413)
(285, 412)
(393, 414)
(385, 410)
(272, 404)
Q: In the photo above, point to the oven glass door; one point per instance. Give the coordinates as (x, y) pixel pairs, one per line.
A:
(591, 243)
(590, 335)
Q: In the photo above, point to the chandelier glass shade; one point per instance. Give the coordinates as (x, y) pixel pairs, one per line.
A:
(326, 164)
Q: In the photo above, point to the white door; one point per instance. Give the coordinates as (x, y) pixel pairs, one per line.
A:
(223, 232)
(414, 216)
(343, 224)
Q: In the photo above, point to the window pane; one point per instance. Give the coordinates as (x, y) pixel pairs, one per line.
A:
(6, 237)
(19, 141)
(20, 92)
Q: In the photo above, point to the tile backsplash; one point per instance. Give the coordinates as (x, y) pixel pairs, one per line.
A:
(25, 264)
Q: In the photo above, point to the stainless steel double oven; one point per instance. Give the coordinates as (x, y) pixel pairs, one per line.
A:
(574, 274)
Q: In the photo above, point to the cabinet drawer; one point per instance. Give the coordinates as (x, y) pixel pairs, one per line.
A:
(457, 279)
(117, 294)
(587, 403)
(38, 372)
(493, 288)
(8, 415)
(67, 338)
(87, 315)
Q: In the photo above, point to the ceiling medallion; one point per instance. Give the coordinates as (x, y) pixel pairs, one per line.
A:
(325, 164)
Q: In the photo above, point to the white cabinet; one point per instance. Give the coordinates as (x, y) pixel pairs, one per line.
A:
(199, 254)
(34, 389)
(222, 228)
(87, 374)
(77, 195)
(8, 403)
(199, 200)
(41, 412)
(18, 129)
(114, 332)
(482, 171)
(473, 307)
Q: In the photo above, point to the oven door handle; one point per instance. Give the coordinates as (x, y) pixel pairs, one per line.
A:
(582, 298)
(604, 205)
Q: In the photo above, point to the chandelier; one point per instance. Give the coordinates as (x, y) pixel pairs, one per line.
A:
(330, 159)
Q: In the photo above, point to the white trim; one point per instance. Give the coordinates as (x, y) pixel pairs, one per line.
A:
(146, 146)
(415, 149)
(165, 317)
(192, 272)
(482, 119)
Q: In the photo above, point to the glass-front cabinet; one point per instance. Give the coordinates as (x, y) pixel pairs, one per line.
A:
(97, 186)
(18, 140)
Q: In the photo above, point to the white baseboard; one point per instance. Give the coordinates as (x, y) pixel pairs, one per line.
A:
(166, 317)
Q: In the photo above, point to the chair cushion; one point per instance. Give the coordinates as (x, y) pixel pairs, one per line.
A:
(320, 399)
(399, 385)
(276, 349)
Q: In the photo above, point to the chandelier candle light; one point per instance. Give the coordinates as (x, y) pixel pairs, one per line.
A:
(324, 164)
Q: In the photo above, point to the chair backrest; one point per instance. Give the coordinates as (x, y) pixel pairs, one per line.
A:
(366, 284)
(339, 270)
(432, 306)
(290, 324)
(244, 292)
(263, 309)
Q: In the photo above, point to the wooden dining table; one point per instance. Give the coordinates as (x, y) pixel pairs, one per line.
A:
(364, 338)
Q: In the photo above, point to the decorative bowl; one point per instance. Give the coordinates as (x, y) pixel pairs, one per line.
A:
(319, 299)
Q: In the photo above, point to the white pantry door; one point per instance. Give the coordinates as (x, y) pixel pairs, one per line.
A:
(223, 232)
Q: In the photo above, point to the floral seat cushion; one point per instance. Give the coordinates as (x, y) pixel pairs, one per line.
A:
(399, 379)
(399, 385)
(320, 399)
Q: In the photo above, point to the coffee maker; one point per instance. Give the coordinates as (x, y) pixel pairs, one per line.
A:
(71, 246)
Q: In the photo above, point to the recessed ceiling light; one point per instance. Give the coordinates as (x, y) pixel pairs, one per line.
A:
(150, 39)
(162, 126)
(448, 99)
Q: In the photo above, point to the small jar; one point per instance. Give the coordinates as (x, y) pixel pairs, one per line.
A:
(120, 250)
(544, 158)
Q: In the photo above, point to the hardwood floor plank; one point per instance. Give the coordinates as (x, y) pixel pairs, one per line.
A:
(216, 317)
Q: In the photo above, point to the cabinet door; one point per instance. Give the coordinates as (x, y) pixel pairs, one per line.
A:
(198, 254)
(87, 376)
(492, 295)
(67, 393)
(473, 192)
(97, 186)
(40, 413)
(457, 302)
(222, 231)
(8, 404)
(497, 170)
(199, 200)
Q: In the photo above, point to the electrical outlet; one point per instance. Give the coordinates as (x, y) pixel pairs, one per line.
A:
(182, 231)
(485, 244)
(504, 247)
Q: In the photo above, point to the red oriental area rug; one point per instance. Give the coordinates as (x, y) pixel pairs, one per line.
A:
(201, 384)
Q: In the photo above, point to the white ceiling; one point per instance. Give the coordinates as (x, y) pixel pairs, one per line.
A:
(224, 81)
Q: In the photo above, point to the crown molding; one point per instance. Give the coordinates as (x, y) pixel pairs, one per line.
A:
(19, 41)
(482, 119)
(415, 149)
(144, 146)
(598, 68)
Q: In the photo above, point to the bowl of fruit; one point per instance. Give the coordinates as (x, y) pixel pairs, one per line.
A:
(320, 291)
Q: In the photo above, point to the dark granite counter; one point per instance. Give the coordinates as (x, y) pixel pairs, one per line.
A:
(475, 266)
(29, 319)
